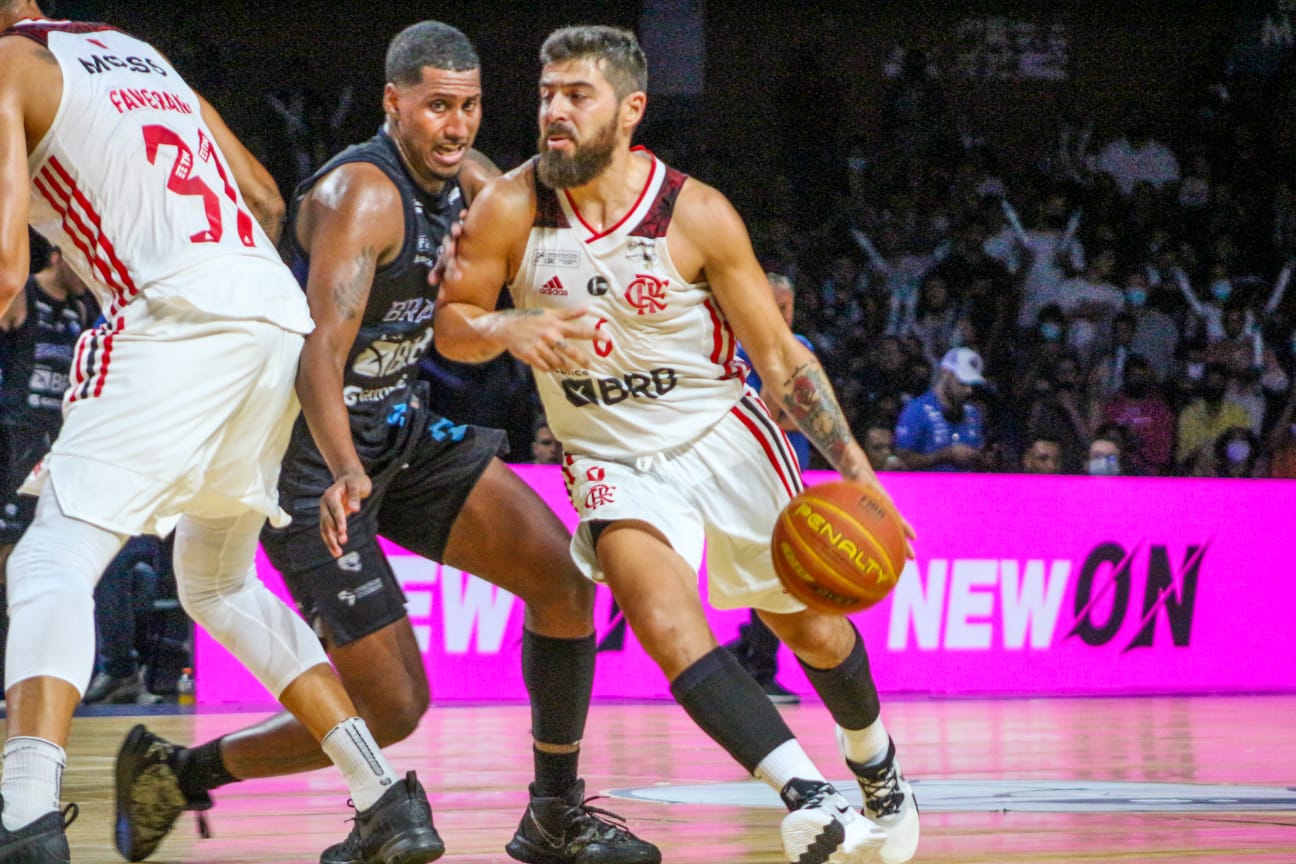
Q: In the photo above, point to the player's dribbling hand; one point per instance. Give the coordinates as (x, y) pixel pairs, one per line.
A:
(869, 477)
(339, 501)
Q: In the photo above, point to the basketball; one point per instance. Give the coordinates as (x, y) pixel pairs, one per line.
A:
(839, 547)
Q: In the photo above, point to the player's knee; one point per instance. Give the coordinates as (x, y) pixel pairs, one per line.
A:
(815, 637)
(396, 718)
(562, 596)
(656, 627)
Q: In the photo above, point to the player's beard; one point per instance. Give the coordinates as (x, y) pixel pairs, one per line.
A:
(558, 170)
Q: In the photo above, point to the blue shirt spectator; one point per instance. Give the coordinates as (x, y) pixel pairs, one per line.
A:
(940, 430)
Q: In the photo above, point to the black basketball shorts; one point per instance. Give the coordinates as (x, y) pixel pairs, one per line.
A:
(418, 491)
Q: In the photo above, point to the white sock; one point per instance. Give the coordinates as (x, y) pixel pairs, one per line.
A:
(354, 751)
(784, 762)
(866, 746)
(33, 770)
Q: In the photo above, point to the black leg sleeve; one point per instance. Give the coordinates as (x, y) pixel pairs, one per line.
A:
(848, 690)
(559, 676)
(730, 706)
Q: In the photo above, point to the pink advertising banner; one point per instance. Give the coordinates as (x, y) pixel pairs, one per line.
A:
(1022, 585)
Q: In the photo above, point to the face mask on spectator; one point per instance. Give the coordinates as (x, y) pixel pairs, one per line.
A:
(1237, 451)
(1196, 371)
(1050, 332)
(1136, 297)
(1221, 289)
(1103, 466)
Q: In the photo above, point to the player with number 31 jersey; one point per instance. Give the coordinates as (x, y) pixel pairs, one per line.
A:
(130, 182)
(131, 132)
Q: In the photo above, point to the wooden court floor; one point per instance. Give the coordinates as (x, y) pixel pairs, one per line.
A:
(1004, 781)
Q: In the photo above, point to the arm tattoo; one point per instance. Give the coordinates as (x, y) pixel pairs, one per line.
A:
(350, 294)
(808, 399)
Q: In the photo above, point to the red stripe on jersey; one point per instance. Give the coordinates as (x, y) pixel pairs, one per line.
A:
(78, 374)
(767, 445)
(107, 358)
(77, 231)
(723, 344)
(94, 217)
(652, 172)
(716, 332)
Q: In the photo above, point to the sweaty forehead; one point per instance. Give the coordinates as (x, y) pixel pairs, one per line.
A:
(573, 72)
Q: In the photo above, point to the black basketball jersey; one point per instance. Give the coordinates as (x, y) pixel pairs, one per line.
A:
(38, 357)
(396, 329)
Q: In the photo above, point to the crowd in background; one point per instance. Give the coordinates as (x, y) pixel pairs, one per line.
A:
(1130, 293)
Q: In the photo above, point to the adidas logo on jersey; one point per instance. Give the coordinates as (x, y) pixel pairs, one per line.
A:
(553, 286)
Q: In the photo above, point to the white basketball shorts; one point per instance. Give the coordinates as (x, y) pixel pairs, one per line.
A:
(725, 489)
(171, 411)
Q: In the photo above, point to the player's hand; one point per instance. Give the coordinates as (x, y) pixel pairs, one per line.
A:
(339, 501)
(865, 476)
(547, 339)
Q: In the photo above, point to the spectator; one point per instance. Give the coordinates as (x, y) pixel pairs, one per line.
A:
(1090, 302)
(1156, 335)
(1235, 453)
(1205, 420)
(941, 430)
(936, 318)
(1108, 372)
(1253, 368)
(545, 448)
(1048, 253)
(1105, 452)
(1060, 412)
(1043, 456)
(879, 445)
(1143, 412)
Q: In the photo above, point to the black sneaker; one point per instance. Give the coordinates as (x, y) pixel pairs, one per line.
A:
(148, 795)
(396, 830)
(42, 842)
(566, 831)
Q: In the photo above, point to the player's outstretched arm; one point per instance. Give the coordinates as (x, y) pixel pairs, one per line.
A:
(707, 228)
(349, 223)
(479, 257)
(259, 189)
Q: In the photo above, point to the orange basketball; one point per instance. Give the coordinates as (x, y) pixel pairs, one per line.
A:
(839, 547)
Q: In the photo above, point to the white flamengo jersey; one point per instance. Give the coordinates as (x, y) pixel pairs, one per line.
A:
(664, 370)
(130, 184)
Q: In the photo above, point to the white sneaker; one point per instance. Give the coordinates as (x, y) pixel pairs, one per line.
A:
(823, 829)
(890, 805)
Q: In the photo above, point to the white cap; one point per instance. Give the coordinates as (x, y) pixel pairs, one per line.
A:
(966, 365)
